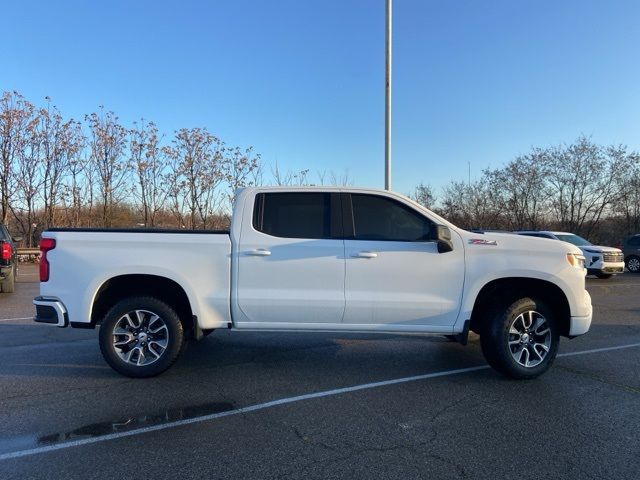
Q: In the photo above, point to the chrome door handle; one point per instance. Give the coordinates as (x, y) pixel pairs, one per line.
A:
(259, 252)
(365, 255)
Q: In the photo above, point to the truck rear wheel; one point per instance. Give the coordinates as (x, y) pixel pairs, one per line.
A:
(521, 340)
(141, 337)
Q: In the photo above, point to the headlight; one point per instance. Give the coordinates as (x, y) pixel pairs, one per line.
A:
(575, 260)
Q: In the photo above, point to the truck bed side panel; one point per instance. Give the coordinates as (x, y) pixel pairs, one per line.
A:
(83, 261)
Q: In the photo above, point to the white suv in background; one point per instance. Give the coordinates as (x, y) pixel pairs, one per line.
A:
(603, 262)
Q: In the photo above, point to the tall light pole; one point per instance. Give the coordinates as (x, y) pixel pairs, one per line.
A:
(387, 101)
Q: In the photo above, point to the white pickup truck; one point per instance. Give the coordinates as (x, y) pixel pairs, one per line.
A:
(315, 260)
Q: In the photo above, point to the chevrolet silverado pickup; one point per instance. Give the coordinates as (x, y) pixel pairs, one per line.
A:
(312, 259)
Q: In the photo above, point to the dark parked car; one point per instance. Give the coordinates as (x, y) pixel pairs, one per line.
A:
(8, 260)
(631, 250)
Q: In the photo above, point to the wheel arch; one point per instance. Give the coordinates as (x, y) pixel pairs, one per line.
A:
(128, 285)
(504, 290)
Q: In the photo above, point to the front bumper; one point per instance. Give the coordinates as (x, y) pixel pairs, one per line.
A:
(606, 267)
(579, 325)
(51, 311)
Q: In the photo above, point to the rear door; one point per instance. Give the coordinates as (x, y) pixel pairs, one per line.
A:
(291, 261)
(394, 273)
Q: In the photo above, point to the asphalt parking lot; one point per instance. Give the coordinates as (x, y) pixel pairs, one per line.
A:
(294, 405)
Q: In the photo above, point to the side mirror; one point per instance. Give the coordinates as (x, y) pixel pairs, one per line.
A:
(443, 239)
(17, 239)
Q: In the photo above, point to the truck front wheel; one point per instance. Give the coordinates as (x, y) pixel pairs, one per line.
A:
(141, 337)
(521, 340)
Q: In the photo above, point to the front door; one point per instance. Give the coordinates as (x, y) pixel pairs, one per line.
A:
(394, 273)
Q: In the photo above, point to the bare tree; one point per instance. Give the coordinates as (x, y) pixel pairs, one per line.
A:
(62, 142)
(322, 176)
(520, 186)
(627, 204)
(15, 115)
(257, 175)
(581, 178)
(424, 195)
(77, 192)
(290, 177)
(197, 169)
(471, 205)
(107, 143)
(28, 178)
(147, 159)
(341, 180)
(175, 184)
(240, 165)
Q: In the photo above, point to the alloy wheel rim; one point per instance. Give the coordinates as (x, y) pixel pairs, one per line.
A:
(529, 339)
(633, 265)
(140, 337)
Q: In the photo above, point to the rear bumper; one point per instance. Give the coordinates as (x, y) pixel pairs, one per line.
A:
(5, 271)
(51, 311)
(579, 325)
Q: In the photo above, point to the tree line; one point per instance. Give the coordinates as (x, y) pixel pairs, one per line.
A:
(97, 172)
(57, 171)
(581, 187)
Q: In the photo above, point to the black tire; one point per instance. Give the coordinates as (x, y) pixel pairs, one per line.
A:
(8, 285)
(633, 264)
(495, 339)
(173, 334)
(604, 275)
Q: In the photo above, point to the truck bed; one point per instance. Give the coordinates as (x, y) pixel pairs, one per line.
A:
(198, 261)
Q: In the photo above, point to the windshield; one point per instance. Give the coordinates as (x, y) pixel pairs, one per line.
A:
(575, 239)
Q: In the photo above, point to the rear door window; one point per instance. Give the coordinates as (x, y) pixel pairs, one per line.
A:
(298, 215)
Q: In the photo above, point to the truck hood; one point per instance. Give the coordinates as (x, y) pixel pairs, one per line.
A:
(600, 249)
(515, 243)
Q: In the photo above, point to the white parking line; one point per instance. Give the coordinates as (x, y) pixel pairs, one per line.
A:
(273, 403)
(597, 350)
(14, 319)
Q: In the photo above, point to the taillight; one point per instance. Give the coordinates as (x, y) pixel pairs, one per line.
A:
(46, 244)
(5, 253)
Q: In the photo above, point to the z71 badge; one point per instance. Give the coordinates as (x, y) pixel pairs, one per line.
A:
(480, 241)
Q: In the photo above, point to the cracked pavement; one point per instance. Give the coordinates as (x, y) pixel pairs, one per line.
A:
(580, 420)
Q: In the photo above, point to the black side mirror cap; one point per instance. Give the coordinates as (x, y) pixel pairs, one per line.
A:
(443, 239)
